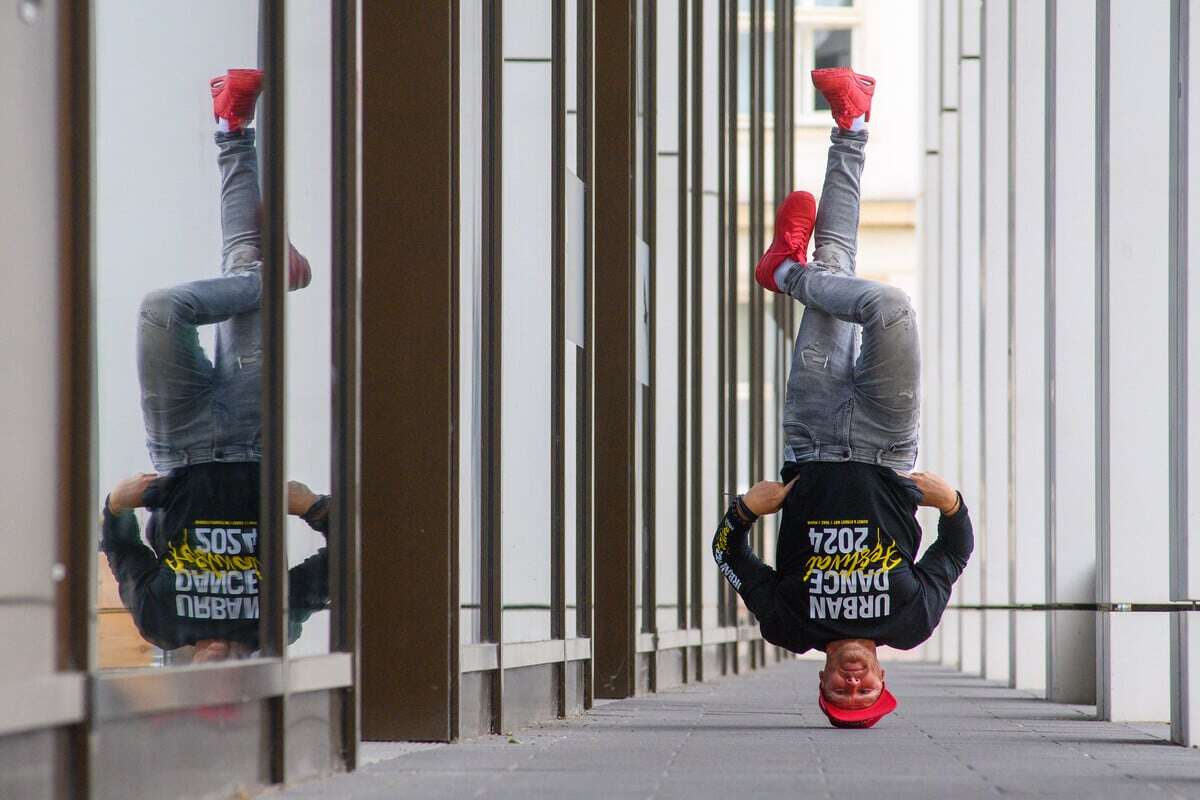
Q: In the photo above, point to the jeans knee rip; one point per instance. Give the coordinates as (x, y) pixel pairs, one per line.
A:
(814, 358)
(897, 315)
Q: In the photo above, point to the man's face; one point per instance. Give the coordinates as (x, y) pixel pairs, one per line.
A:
(852, 677)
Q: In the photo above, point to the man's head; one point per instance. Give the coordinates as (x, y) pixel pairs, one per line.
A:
(852, 692)
(208, 650)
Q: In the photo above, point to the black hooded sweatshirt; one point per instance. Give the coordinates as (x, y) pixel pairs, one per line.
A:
(199, 578)
(847, 565)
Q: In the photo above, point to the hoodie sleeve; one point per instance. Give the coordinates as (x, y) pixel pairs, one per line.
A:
(946, 558)
(145, 585)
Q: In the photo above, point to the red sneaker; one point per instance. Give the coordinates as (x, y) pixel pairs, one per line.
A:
(848, 93)
(299, 272)
(793, 227)
(234, 95)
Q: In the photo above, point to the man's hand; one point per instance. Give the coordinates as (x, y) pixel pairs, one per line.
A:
(936, 492)
(300, 498)
(128, 493)
(766, 497)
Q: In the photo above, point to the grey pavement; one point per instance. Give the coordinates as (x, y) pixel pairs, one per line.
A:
(761, 735)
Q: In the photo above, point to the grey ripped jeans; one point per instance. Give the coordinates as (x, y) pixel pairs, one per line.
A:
(854, 390)
(196, 410)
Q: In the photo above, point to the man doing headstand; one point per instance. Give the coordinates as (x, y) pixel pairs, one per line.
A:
(847, 578)
(197, 583)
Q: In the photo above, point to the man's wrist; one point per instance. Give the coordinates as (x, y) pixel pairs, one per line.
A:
(952, 508)
(113, 507)
(743, 512)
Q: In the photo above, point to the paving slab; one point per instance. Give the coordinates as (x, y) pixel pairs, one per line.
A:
(761, 735)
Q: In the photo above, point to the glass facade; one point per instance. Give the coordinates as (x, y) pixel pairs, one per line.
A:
(528, 387)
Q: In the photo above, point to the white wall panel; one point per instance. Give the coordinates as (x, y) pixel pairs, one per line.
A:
(711, 90)
(947, 306)
(930, 321)
(1029, 387)
(1185, 635)
(951, 633)
(667, 389)
(1072, 576)
(526, 31)
(1136, 563)
(1192, 243)
(993, 505)
(667, 75)
(526, 348)
(571, 67)
(947, 344)
(971, 28)
(470, 319)
(1138, 667)
(710, 477)
(950, 39)
(710, 302)
(931, 76)
(1185, 699)
(969, 328)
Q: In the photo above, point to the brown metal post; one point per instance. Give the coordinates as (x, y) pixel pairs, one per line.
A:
(272, 517)
(614, 634)
(344, 555)
(409, 370)
(77, 460)
(585, 142)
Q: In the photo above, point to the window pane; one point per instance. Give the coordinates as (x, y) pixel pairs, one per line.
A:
(831, 48)
(470, 545)
(309, 341)
(526, 345)
(178, 350)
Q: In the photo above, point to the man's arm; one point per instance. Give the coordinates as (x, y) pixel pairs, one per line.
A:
(130, 493)
(745, 571)
(946, 558)
(146, 586)
(308, 581)
(130, 560)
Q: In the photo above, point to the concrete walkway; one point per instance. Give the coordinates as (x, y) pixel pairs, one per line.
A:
(763, 736)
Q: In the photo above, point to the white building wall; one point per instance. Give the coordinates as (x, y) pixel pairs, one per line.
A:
(1134, 565)
(993, 505)
(1028, 338)
(1084, 337)
(969, 355)
(1071, 637)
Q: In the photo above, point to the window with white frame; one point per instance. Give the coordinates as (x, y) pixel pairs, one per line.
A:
(827, 34)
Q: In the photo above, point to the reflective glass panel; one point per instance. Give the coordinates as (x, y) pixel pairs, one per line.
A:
(308, 343)
(470, 365)
(667, 323)
(526, 342)
(179, 356)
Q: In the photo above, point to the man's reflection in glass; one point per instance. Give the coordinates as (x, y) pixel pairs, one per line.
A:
(197, 583)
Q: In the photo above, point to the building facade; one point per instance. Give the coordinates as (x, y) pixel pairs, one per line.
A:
(531, 368)
(1057, 238)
